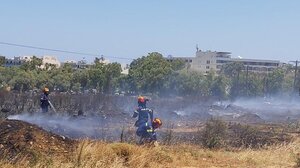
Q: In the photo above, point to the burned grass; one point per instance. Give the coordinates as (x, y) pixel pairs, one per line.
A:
(26, 145)
(23, 141)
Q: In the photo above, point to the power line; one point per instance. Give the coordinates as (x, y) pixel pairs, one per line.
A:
(58, 50)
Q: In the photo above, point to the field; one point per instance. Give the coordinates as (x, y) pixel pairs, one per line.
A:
(190, 137)
(26, 145)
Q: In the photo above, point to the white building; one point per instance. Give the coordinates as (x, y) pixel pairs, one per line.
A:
(125, 69)
(26, 58)
(50, 60)
(213, 60)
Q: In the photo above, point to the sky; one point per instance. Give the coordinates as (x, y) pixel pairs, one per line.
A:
(254, 29)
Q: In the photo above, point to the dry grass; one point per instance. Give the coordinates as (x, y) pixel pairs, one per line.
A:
(119, 155)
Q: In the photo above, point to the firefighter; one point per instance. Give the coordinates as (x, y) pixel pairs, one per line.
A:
(147, 131)
(45, 100)
(142, 102)
(142, 112)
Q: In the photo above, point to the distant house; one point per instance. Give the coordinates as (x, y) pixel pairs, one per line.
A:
(125, 69)
(52, 60)
(16, 61)
(82, 64)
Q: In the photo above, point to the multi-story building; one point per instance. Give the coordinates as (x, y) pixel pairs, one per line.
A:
(16, 61)
(213, 60)
(50, 60)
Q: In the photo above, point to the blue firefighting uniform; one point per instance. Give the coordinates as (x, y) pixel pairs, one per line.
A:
(146, 131)
(143, 114)
(145, 118)
(44, 102)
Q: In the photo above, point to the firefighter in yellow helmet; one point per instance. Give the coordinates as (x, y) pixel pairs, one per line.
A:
(45, 100)
(147, 131)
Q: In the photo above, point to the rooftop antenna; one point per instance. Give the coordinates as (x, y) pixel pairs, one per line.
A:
(197, 48)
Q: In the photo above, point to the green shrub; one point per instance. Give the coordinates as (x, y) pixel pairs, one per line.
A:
(214, 134)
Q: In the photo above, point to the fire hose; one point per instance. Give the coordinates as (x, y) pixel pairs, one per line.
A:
(51, 105)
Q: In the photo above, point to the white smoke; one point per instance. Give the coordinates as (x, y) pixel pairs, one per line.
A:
(278, 108)
(74, 127)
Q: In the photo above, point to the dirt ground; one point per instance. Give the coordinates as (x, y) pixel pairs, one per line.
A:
(20, 140)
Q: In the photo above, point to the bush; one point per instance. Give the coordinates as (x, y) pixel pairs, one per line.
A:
(251, 137)
(214, 134)
(246, 136)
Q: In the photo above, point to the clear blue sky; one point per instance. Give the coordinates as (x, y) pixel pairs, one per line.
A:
(265, 29)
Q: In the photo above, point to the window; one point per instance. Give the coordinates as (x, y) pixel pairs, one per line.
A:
(207, 67)
(191, 60)
(222, 61)
(208, 62)
(219, 66)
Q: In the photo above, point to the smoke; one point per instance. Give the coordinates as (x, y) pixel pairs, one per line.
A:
(275, 108)
(110, 127)
(76, 127)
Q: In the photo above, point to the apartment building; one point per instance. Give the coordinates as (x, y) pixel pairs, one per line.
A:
(204, 61)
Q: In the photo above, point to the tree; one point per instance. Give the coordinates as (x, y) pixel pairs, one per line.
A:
(177, 65)
(123, 83)
(275, 81)
(61, 81)
(22, 81)
(2, 60)
(112, 72)
(233, 71)
(49, 66)
(219, 87)
(96, 76)
(192, 84)
(33, 64)
(149, 73)
(80, 76)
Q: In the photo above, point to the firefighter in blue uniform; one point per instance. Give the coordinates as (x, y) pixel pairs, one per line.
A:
(45, 100)
(146, 129)
(142, 112)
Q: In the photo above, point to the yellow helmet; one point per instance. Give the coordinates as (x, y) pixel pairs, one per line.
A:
(141, 99)
(156, 123)
(46, 89)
